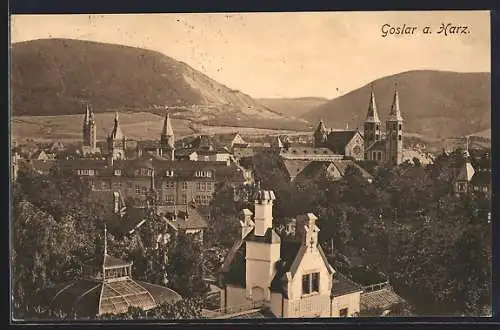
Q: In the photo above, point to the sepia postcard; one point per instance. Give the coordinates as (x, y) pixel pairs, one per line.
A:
(250, 165)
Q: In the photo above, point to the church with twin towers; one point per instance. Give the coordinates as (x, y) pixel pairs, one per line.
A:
(372, 143)
(117, 142)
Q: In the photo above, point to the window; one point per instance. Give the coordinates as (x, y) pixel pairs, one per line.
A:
(169, 173)
(395, 126)
(344, 312)
(202, 199)
(400, 127)
(203, 174)
(118, 172)
(183, 198)
(310, 283)
(379, 155)
(378, 127)
(399, 137)
(169, 199)
(204, 186)
(137, 189)
(184, 185)
(86, 172)
(143, 172)
(168, 185)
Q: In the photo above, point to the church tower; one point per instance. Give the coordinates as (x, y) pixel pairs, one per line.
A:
(394, 133)
(117, 142)
(372, 123)
(89, 130)
(167, 139)
(320, 135)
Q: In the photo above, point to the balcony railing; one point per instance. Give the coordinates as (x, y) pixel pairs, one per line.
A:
(375, 287)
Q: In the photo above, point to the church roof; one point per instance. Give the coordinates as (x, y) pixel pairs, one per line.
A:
(372, 115)
(338, 140)
(395, 113)
(116, 134)
(167, 126)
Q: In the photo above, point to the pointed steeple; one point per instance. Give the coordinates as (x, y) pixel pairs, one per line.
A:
(117, 134)
(372, 115)
(167, 126)
(395, 114)
(321, 126)
(87, 115)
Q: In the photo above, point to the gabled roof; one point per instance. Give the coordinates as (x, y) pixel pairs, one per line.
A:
(342, 166)
(294, 167)
(338, 140)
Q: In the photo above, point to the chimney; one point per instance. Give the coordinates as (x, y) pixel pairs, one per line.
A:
(263, 211)
(116, 202)
(306, 231)
(246, 222)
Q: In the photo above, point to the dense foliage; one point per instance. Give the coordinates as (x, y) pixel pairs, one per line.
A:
(434, 246)
(58, 229)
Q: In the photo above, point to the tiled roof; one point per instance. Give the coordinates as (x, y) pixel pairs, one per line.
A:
(342, 285)
(294, 167)
(379, 299)
(338, 140)
(183, 169)
(342, 166)
(288, 253)
(132, 218)
(314, 170)
(193, 220)
(481, 178)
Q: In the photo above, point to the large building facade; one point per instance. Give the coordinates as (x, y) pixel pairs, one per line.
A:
(372, 143)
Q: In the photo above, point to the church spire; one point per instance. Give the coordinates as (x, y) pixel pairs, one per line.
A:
(116, 134)
(372, 115)
(395, 114)
(167, 126)
(87, 115)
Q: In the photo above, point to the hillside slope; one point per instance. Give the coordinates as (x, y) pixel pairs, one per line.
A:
(55, 76)
(436, 104)
(295, 107)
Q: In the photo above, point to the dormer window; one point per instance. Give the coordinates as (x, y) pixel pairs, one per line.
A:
(118, 172)
(203, 174)
(169, 173)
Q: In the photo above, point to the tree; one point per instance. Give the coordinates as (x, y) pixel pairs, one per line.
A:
(185, 266)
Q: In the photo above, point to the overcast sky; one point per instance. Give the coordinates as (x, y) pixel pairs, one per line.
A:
(284, 54)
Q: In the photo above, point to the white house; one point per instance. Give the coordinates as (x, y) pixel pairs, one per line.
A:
(291, 277)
